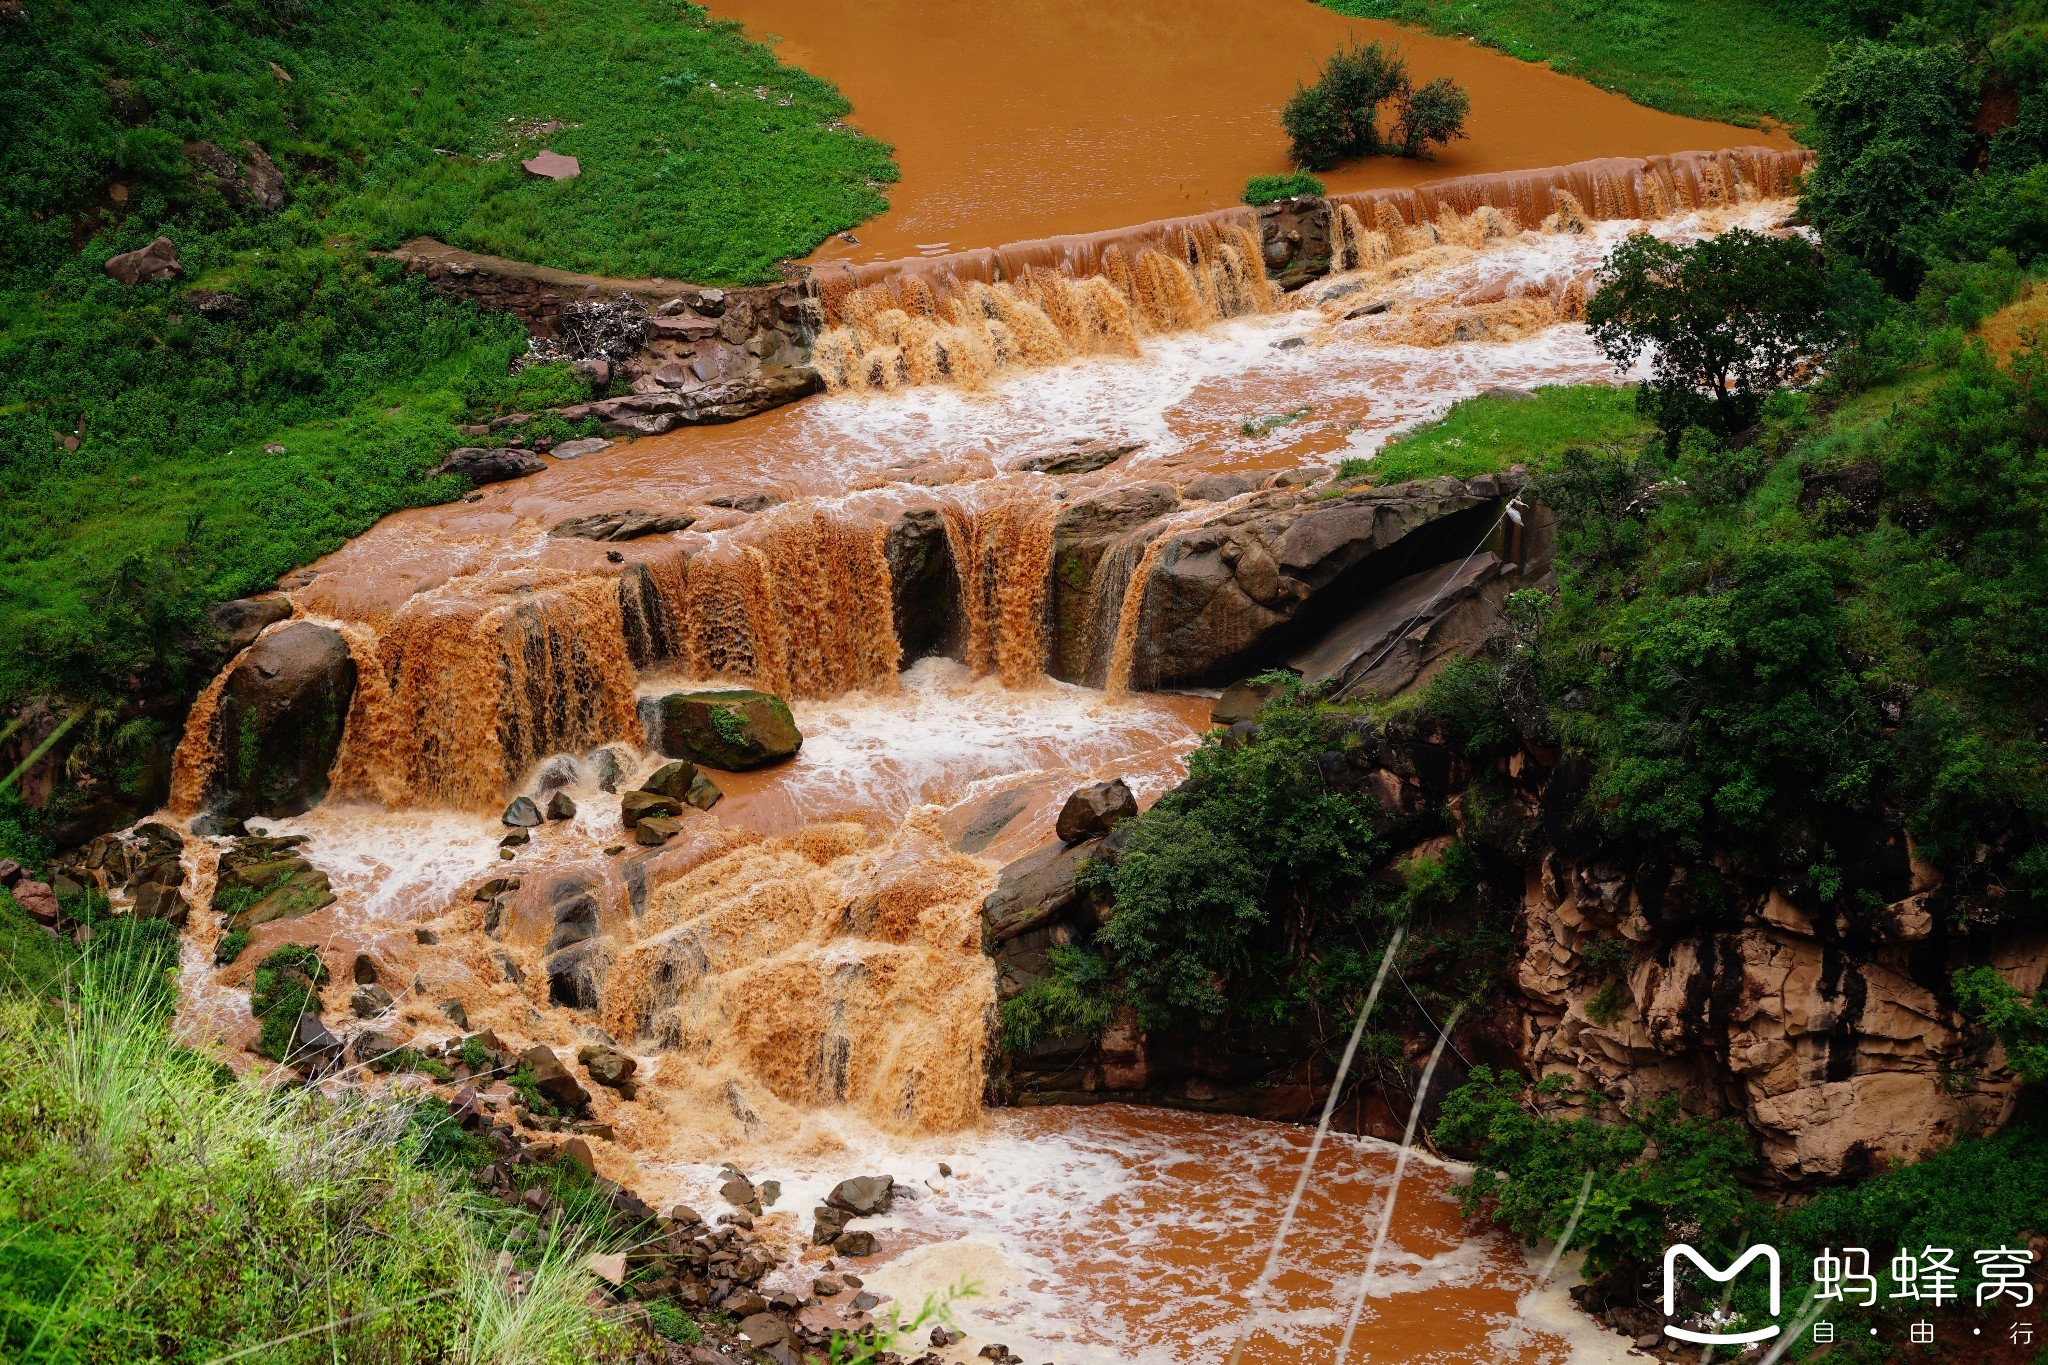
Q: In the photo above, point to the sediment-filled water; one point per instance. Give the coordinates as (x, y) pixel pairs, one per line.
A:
(801, 970)
(1029, 120)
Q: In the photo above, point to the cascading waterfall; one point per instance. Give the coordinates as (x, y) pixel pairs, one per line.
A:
(961, 320)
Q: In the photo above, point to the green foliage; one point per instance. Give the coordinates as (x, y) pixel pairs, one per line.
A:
(396, 120)
(232, 945)
(1725, 321)
(1891, 130)
(529, 1092)
(156, 1208)
(1433, 113)
(730, 725)
(2019, 1023)
(1222, 883)
(672, 1323)
(1338, 117)
(286, 985)
(1740, 61)
(1267, 189)
(1653, 1172)
(1076, 998)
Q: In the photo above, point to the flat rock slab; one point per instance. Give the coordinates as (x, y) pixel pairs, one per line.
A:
(551, 166)
(581, 446)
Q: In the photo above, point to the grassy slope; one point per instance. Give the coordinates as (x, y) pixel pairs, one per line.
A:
(703, 158)
(1734, 60)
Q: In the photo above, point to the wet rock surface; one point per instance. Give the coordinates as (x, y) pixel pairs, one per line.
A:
(734, 730)
(279, 722)
(493, 464)
(1095, 810)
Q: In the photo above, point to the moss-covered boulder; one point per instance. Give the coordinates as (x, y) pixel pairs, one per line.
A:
(730, 730)
(279, 722)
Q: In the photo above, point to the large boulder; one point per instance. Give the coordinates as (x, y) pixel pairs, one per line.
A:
(1095, 810)
(553, 1079)
(239, 622)
(730, 730)
(924, 585)
(157, 261)
(1228, 597)
(279, 722)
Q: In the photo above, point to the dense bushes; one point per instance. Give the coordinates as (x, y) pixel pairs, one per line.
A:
(1267, 189)
(1339, 116)
(1726, 321)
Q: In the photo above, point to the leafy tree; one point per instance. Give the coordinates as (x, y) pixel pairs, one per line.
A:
(1338, 116)
(1726, 320)
(1891, 132)
(1433, 114)
(2021, 1024)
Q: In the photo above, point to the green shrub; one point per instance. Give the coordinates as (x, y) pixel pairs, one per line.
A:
(1267, 189)
(1338, 117)
(1076, 998)
(1726, 321)
(2019, 1023)
(286, 985)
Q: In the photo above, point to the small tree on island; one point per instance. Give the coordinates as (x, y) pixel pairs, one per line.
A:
(1726, 321)
(1339, 115)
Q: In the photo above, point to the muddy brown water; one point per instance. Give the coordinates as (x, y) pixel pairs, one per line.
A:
(1046, 117)
(800, 971)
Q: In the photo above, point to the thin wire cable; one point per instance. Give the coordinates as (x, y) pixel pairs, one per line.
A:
(1425, 1014)
(1379, 1241)
(1256, 1299)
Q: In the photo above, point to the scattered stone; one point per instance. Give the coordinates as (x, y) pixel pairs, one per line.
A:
(656, 830)
(373, 1049)
(607, 1065)
(157, 261)
(496, 886)
(745, 1303)
(855, 1243)
(553, 1079)
(560, 807)
(683, 1215)
(945, 1170)
(1095, 810)
(614, 850)
(866, 1302)
(495, 464)
(314, 1048)
(732, 730)
(738, 1218)
(369, 1001)
(1507, 392)
(454, 1011)
(215, 306)
(825, 1286)
(1372, 308)
(583, 445)
(518, 838)
(635, 806)
(1216, 487)
(364, 971)
(671, 780)
(769, 1191)
(829, 1223)
(10, 872)
(1290, 343)
(522, 813)
(38, 900)
(764, 1330)
(609, 1268)
(425, 936)
(551, 166)
(863, 1196)
(943, 1335)
(738, 1190)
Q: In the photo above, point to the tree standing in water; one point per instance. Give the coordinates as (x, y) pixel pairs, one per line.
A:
(1338, 116)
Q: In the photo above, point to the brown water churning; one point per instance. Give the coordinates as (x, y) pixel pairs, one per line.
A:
(959, 319)
(1057, 116)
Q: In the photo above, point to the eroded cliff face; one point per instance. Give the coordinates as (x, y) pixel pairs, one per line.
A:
(1831, 1033)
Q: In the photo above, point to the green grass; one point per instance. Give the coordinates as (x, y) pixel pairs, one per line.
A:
(1488, 435)
(1738, 61)
(703, 159)
(154, 1207)
(1266, 189)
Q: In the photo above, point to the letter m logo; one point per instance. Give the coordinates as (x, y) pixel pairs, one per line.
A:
(1768, 1254)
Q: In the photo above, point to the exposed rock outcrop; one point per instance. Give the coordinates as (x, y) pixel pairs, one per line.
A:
(494, 464)
(157, 261)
